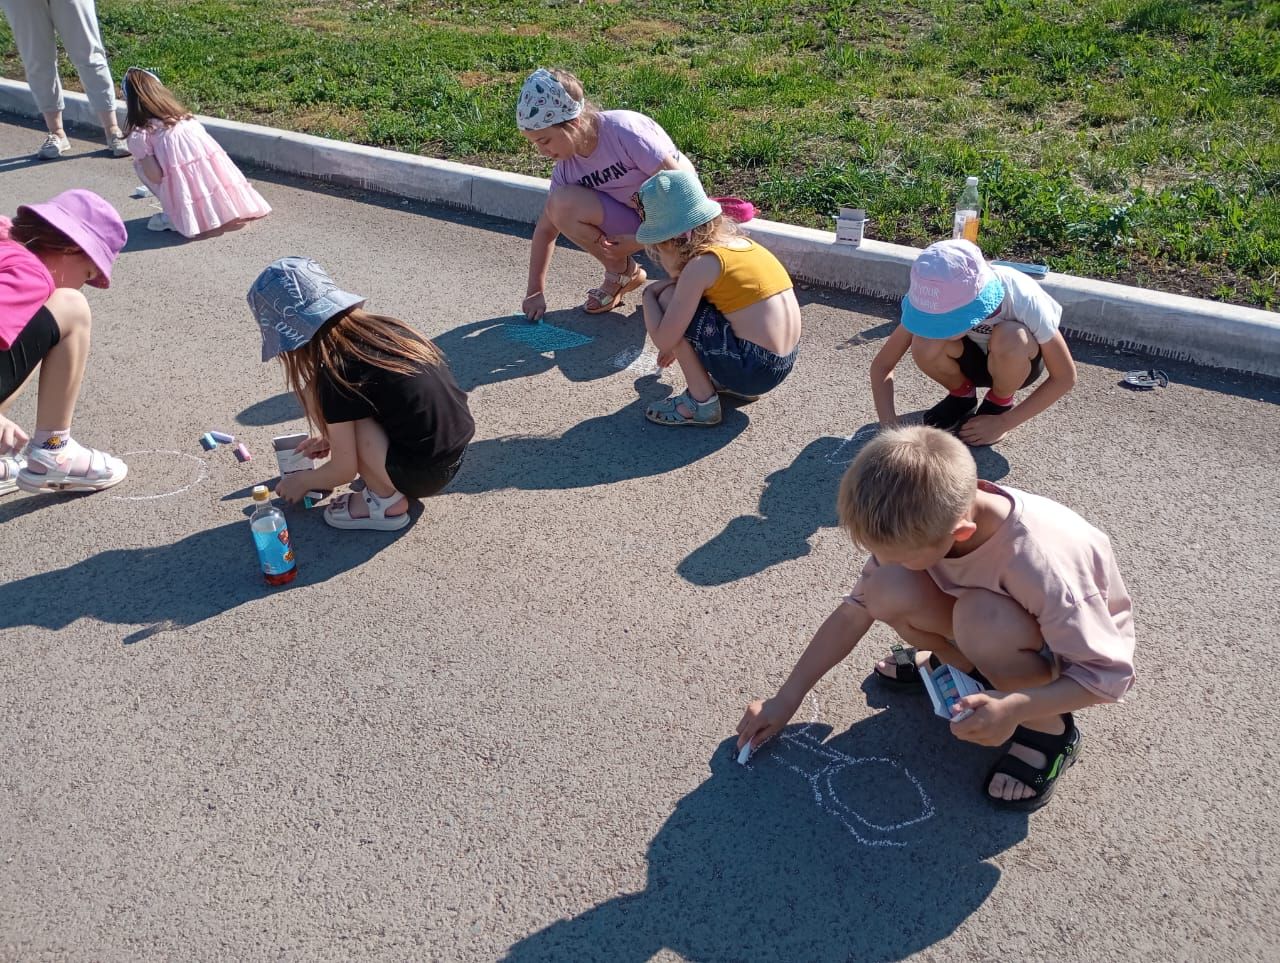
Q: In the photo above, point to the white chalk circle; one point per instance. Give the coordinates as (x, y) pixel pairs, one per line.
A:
(166, 473)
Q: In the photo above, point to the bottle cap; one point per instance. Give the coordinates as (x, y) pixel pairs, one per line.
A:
(970, 182)
(260, 493)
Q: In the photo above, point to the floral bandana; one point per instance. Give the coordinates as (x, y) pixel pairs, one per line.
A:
(544, 102)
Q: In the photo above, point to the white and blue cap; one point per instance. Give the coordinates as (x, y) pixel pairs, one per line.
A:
(952, 290)
(291, 300)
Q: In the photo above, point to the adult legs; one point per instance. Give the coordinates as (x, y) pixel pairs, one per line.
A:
(77, 23)
(32, 26)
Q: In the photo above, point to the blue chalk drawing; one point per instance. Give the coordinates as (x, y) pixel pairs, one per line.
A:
(545, 337)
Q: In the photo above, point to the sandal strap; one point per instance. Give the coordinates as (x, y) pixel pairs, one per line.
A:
(1044, 742)
(378, 505)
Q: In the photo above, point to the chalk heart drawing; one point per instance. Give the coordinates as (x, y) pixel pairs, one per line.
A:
(824, 766)
(849, 447)
(155, 473)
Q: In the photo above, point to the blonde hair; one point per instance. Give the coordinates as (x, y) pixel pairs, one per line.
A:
(588, 122)
(907, 488)
(147, 99)
(685, 247)
(375, 339)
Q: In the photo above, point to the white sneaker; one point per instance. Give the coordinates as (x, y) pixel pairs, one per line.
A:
(160, 222)
(118, 146)
(53, 147)
(10, 465)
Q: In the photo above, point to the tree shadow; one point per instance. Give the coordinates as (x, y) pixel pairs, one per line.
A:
(797, 501)
(169, 587)
(872, 845)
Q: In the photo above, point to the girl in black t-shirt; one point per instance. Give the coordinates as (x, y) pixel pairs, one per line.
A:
(384, 403)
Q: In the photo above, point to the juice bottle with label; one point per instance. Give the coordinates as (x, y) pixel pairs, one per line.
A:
(967, 209)
(271, 538)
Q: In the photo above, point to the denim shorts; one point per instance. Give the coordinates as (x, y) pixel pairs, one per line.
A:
(741, 366)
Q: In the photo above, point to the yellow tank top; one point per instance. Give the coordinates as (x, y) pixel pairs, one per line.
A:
(746, 276)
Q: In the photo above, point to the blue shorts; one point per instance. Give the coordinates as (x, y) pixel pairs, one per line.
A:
(741, 366)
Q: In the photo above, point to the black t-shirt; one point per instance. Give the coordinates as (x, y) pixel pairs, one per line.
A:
(424, 414)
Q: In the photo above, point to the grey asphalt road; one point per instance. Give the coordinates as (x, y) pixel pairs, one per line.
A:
(504, 733)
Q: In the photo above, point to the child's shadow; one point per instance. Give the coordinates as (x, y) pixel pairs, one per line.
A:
(174, 586)
(509, 347)
(797, 501)
(872, 845)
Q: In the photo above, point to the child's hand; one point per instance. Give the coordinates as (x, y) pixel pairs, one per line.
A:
(992, 722)
(534, 306)
(606, 244)
(292, 487)
(762, 721)
(983, 430)
(12, 438)
(317, 446)
(666, 359)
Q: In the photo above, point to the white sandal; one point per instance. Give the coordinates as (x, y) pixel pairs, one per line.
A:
(10, 465)
(338, 514)
(104, 471)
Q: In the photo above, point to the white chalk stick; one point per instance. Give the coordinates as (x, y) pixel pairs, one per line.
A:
(745, 754)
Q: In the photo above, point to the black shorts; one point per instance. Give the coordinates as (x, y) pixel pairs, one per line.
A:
(973, 365)
(35, 341)
(417, 479)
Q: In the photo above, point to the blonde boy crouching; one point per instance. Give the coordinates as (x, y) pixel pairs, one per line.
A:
(984, 577)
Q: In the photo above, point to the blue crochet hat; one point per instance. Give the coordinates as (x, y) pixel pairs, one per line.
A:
(671, 203)
(291, 300)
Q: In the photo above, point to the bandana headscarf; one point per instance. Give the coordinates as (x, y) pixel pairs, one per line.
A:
(544, 102)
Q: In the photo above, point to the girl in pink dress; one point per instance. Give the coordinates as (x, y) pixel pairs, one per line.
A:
(198, 186)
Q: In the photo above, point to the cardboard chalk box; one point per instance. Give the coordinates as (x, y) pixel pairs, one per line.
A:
(851, 224)
(289, 460)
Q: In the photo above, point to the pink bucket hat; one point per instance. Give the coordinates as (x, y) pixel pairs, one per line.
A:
(90, 223)
(952, 290)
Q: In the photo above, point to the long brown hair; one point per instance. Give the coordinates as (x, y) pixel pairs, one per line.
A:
(375, 339)
(146, 99)
(39, 236)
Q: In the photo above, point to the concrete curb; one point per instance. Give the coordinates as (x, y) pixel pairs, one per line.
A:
(1171, 325)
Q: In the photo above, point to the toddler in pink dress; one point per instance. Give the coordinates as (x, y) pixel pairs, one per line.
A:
(198, 186)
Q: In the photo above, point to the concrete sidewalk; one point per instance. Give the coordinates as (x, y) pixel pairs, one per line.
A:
(504, 732)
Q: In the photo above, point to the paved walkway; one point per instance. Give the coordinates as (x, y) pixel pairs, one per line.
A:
(505, 731)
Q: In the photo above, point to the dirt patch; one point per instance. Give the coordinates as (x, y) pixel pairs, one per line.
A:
(644, 31)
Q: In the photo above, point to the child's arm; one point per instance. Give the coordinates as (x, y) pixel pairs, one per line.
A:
(996, 715)
(148, 170)
(544, 243)
(1061, 369)
(666, 328)
(833, 641)
(341, 467)
(886, 359)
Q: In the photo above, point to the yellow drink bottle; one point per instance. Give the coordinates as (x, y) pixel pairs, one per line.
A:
(965, 224)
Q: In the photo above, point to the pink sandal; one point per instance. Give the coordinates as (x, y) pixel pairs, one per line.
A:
(50, 471)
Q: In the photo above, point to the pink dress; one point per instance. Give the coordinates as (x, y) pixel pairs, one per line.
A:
(202, 189)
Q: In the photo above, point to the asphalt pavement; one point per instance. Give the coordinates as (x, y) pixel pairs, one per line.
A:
(505, 732)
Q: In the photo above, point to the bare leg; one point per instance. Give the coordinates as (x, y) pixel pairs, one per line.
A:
(62, 369)
(110, 123)
(1009, 357)
(940, 360)
(53, 122)
(577, 214)
(695, 374)
(912, 605)
(371, 461)
(1004, 641)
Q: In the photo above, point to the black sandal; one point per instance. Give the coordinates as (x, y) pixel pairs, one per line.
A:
(1060, 751)
(907, 671)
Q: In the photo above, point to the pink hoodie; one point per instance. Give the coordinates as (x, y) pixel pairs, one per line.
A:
(25, 285)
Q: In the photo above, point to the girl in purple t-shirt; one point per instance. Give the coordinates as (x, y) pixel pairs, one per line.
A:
(602, 158)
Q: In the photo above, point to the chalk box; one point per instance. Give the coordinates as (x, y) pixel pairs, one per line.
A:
(946, 686)
(850, 225)
(289, 460)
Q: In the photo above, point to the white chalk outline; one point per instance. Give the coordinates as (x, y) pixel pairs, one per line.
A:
(865, 433)
(204, 473)
(837, 761)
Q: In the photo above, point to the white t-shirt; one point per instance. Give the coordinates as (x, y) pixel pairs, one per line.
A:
(1024, 301)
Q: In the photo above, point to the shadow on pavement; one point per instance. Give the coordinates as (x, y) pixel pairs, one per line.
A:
(797, 501)
(271, 411)
(818, 850)
(174, 586)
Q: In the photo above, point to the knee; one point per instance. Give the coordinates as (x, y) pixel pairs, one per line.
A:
(891, 593)
(665, 296)
(563, 205)
(926, 351)
(70, 309)
(986, 623)
(1010, 339)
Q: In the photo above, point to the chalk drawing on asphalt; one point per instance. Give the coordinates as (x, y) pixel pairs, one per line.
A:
(196, 472)
(848, 449)
(545, 337)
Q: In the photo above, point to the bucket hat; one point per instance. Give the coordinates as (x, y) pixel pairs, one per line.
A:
(952, 290)
(670, 203)
(89, 222)
(291, 300)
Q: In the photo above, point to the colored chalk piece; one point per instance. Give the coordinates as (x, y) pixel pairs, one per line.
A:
(307, 502)
(223, 437)
(242, 453)
(207, 442)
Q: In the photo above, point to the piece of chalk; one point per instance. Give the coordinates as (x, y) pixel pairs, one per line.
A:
(222, 436)
(207, 442)
(307, 502)
(242, 453)
(745, 754)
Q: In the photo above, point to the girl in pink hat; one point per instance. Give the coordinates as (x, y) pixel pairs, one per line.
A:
(968, 325)
(47, 253)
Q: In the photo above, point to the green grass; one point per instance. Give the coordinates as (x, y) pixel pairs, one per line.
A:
(1128, 139)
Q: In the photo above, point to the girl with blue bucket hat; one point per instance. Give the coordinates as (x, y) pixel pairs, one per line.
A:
(728, 315)
(968, 325)
(379, 397)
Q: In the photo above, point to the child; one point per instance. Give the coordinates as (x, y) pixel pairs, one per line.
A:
(47, 253)
(970, 325)
(383, 398)
(602, 158)
(980, 575)
(198, 186)
(729, 314)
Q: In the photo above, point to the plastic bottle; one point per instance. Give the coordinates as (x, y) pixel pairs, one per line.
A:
(271, 538)
(967, 209)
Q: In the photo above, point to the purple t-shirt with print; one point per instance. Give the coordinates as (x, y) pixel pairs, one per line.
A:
(631, 149)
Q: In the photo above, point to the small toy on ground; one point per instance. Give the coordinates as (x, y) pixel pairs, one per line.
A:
(1147, 380)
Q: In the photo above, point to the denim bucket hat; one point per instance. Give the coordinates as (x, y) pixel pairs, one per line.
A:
(952, 290)
(671, 203)
(291, 300)
(90, 223)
